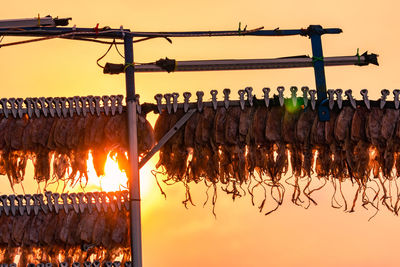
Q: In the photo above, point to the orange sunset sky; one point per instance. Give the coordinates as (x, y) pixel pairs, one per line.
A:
(240, 235)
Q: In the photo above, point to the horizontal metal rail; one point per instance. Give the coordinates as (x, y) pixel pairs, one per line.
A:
(243, 64)
(109, 33)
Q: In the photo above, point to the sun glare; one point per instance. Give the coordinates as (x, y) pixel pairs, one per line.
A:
(114, 179)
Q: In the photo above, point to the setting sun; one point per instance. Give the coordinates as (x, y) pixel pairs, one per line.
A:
(114, 179)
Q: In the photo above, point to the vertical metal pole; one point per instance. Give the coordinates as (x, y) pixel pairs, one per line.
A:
(133, 173)
(315, 32)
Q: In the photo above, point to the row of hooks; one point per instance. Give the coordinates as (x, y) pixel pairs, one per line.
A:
(246, 97)
(63, 106)
(54, 202)
(75, 264)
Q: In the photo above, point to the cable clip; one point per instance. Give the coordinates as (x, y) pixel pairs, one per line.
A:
(96, 29)
(122, 31)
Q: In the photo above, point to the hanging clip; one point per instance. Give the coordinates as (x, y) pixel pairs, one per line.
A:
(339, 98)
(64, 109)
(186, 96)
(64, 197)
(138, 106)
(113, 104)
(331, 94)
(305, 90)
(77, 105)
(266, 91)
(168, 102)
(6, 208)
(122, 31)
(50, 205)
(82, 205)
(250, 96)
(96, 197)
(226, 92)
(120, 106)
(385, 93)
(29, 108)
(106, 99)
(89, 199)
(349, 94)
(57, 106)
(70, 101)
(214, 98)
(20, 204)
(175, 101)
(280, 93)
(14, 111)
(56, 196)
(75, 205)
(43, 107)
(13, 208)
(91, 106)
(97, 108)
(396, 93)
(111, 199)
(312, 98)
(20, 109)
(293, 90)
(4, 106)
(28, 206)
(158, 98)
(364, 93)
(200, 95)
(241, 99)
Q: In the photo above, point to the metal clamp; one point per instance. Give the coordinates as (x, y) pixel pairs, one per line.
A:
(349, 94)
(214, 98)
(200, 95)
(266, 91)
(331, 94)
(339, 98)
(384, 93)
(168, 102)
(313, 94)
(364, 93)
(250, 96)
(280, 93)
(226, 92)
(396, 94)
(186, 96)
(241, 99)
(175, 101)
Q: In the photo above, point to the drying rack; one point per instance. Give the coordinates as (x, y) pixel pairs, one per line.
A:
(48, 28)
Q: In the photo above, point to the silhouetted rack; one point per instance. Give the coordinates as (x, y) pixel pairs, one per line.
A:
(46, 28)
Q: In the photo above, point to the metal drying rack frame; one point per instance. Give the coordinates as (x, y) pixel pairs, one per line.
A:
(46, 28)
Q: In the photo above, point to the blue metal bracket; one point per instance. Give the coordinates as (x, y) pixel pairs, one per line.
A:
(315, 32)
